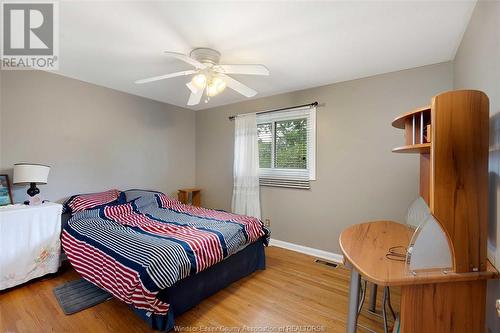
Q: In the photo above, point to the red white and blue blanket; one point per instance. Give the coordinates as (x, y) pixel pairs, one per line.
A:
(136, 249)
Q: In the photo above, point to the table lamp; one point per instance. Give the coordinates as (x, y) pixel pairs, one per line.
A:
(32, 174)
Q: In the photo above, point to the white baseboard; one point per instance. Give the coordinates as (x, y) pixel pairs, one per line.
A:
(335, 257)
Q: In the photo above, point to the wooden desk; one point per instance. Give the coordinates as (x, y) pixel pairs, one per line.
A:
(453, 182)
(430, 301)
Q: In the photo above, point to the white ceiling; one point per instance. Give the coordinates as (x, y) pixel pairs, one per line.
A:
(304, 44)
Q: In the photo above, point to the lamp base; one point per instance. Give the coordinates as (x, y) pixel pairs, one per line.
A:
(33, 190)
(34, 197)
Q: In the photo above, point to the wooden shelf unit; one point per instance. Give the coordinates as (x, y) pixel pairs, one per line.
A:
(454, 183)
(416, 124)
(454, 169)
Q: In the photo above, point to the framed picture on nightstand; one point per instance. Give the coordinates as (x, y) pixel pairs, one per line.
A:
(5, 191)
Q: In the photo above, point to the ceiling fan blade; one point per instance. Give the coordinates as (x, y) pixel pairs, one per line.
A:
(242, 69)
(166, 76)
(238, 86)
(187, 59)
(192, 87)
(195, 96)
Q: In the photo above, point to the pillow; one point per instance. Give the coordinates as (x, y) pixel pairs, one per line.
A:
(81, 202)
(137, 193)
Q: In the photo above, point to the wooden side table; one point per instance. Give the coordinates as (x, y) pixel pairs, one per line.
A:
(190, 196)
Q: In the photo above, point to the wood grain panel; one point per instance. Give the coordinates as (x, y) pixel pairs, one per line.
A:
(456, 307)
(183, 197)
(425, 177)
(365, 246)
(195, 194)
(459, 174)
(196, 198)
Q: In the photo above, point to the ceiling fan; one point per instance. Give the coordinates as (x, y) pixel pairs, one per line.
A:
(208, 76)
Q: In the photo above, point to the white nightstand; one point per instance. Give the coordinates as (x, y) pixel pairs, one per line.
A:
(29, 242)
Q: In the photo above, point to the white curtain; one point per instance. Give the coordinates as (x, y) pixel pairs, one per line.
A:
(246, 198)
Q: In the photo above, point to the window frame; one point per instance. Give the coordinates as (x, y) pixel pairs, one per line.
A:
(288, 173)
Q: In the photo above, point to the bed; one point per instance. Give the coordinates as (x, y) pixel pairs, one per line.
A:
(159, 256)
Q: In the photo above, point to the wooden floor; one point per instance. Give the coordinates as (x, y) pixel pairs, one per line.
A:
(293, 290)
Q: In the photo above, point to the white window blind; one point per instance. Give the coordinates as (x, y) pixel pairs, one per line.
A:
(287, 147)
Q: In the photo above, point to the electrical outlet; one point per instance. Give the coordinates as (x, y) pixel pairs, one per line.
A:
(267, 222)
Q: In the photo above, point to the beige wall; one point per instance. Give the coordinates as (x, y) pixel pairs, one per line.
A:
(93, 138)
(358, 178)
(477, 66)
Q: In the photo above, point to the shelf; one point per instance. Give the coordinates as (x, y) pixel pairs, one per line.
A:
(399, 122)
(423, 148)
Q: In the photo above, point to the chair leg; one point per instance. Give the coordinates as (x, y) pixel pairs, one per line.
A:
(373, 298)
(363, 295)
(352, 316)
(389, 303)
(384, 313)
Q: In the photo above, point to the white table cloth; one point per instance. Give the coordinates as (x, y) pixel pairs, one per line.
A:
(29, 242)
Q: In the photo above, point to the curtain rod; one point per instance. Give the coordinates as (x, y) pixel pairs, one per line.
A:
(282, 109)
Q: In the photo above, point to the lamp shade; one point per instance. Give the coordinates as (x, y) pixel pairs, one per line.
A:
(26, 173)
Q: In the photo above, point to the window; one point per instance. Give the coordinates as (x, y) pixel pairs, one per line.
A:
(287, 145)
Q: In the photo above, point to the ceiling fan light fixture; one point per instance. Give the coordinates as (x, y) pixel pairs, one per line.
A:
(216, 86)
(209, 77)
(199, 81)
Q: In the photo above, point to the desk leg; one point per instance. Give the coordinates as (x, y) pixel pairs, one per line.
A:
(352, 316)
(373, 298)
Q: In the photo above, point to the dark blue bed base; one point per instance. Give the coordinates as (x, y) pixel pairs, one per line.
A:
(190, 291)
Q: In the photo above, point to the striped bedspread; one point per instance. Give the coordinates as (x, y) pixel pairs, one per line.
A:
(136, 249)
